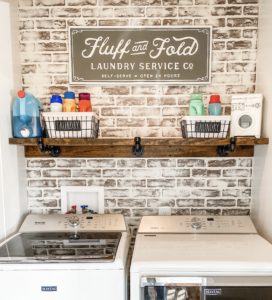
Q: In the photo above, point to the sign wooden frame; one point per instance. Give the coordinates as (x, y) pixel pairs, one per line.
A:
(142, 55)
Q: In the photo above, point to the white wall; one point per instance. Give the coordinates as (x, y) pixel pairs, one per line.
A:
(262, 176)
(13, 202)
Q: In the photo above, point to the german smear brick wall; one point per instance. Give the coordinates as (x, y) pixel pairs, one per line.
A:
(137, 110)
(138, 187)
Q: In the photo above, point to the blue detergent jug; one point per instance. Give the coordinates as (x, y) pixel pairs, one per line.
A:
(26, 116)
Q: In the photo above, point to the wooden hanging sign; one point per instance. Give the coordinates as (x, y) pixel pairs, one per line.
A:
(140, 55)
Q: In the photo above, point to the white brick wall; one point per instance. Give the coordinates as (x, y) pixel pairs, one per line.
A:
(139, 186)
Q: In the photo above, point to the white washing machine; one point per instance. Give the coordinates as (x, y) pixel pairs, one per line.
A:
(200, 258)
(66, 257)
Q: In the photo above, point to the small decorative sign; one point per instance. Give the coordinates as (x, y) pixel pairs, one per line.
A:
(143, 55)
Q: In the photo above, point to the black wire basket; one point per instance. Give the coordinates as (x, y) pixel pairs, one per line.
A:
(71, 125)
(205, 126)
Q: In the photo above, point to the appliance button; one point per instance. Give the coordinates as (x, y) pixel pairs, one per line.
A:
(73, 221)
(196, 223)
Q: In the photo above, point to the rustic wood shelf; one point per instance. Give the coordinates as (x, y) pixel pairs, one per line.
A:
(153, 147)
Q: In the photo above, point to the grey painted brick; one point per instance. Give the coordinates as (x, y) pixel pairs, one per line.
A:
(53, 192)
(34, 193)
(102, 182)
(146, 173)
(131, 183)
(145, 192)
(235, 212)
(175, 172)
(131, 202)
(221, 202)
(145, 2)
(43, 203)
(131, 163)
(205, 193)
(124, 211)
(71, 163)
(163, 183)
(243, 202)
(206, 212)
(42, 183)
(65, 12)
(190, 202)
(160, 202)
(244, 182)
(145, 212)
(161, 12)
(180, 211)
(34, 13)
(191, 182)
(213, 173)
(191, 162)
(237, 173)
(56, 173)
(245, 162)
(199, 172)
(176, 193)
(222, 163)
(49, 2)
(116, 173)
(110, 202)
(33, 173)
(161, 163)
(112, 193)
(71, 182)
(129, 12)
(221, 183)
(86, 173)
(80, 2)
(231, 192)
(50, 24)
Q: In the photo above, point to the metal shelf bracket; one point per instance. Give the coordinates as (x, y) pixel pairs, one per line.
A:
(53, 151)
(224, 150)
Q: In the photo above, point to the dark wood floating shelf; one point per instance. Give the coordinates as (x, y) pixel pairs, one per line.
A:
(145, 147)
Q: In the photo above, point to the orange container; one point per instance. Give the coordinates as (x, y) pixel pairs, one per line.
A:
(84, 102)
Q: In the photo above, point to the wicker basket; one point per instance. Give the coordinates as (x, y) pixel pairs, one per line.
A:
(205, 126)
(71, 124)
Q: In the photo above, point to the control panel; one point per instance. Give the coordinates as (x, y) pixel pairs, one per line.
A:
(196, 224)
(73, 222)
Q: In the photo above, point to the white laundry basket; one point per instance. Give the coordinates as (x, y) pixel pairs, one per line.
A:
(71, 124)
(205, 126)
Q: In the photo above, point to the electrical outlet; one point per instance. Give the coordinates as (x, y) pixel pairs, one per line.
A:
(164, 211)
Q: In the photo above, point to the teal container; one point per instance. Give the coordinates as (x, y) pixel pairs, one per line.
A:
(26, 121)
(196, 107)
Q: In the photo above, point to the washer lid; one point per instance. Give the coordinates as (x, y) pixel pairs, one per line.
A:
(202, 254)
(196, 224)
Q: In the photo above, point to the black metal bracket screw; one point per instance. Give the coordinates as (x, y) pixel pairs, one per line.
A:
(223, 151)
(137, 148)
(53, 151)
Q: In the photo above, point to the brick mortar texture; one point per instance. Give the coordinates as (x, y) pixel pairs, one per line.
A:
(151, 110)
(137, 187)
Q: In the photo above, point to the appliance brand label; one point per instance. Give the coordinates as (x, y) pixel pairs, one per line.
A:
(50, 288)
(213, 292)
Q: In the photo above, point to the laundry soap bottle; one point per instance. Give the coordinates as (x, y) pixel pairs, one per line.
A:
(69, 103)
(84, 102)
(214, 107)
(26, 121)
(196, 107)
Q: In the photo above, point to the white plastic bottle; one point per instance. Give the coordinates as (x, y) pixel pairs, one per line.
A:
(56, 103)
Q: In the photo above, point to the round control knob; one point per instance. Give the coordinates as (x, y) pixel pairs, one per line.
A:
(196, 223)
(73, 221)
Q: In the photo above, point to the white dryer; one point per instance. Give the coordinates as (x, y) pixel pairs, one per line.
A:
(200, 258)
(67, 257)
